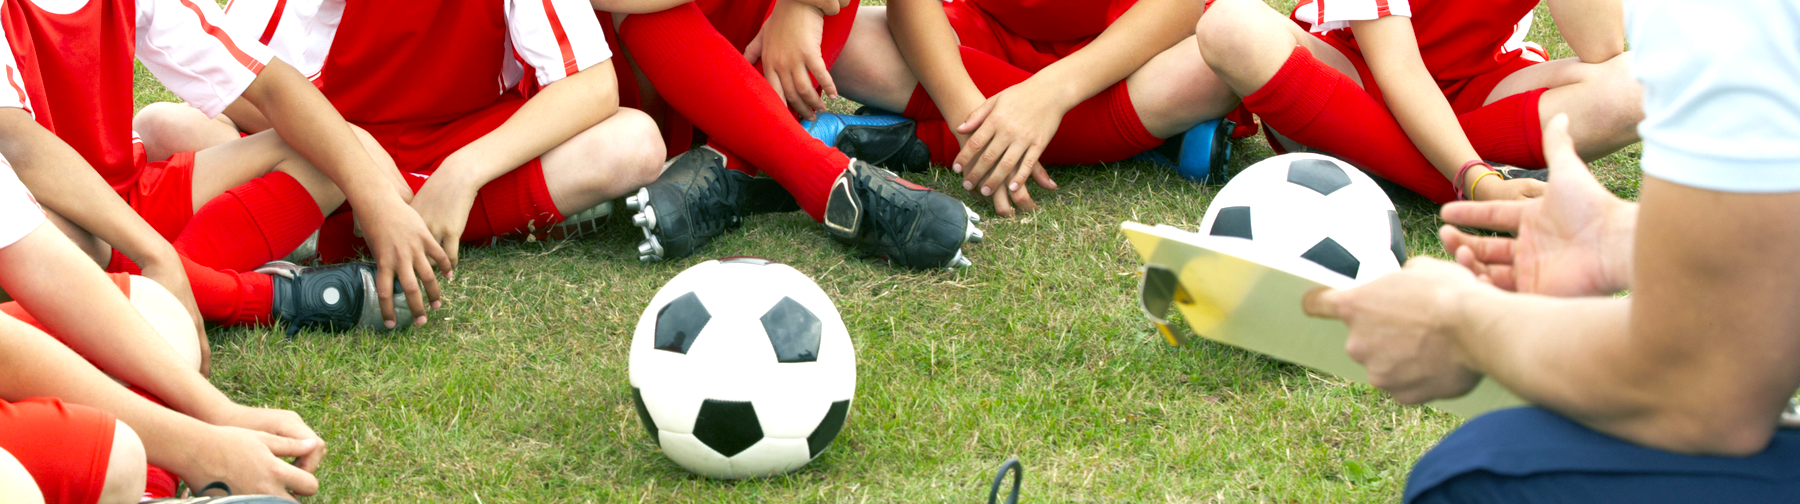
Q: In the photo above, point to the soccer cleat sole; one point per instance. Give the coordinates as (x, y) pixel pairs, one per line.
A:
(650, 250)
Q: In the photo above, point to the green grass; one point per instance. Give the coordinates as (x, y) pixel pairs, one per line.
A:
(517, 392)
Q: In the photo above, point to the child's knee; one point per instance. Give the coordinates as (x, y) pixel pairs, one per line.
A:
(643, 151)
(168, 316)
(125, 467)
(1226, 28)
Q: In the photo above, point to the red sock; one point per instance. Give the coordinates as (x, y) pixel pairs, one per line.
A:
(225, 297)
(251, 224)
(700, 75)
(1508, 131)
(516, 203)
(1104, 128)
(1316, 105)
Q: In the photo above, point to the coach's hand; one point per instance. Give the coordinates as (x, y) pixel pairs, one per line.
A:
(250, 462)
(1574, 241)
(1402, 329)
(788, 48)
(406, 249)
(1006, 134)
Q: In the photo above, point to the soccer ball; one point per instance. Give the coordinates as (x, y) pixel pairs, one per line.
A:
(1315, 208)
(741, 367)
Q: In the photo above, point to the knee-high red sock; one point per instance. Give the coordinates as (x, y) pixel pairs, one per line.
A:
(225, 297)
(1104, 128)
(1508, 130)
(517, 202)
(251, 224)
(1316, 105)
(700, 75)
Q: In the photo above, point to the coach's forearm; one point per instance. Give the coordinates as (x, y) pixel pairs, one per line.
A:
(560, 111)
(1594, 29)
(64, 182)
(1146, 30)
(312, 127)
(929, 45)
(71, 297)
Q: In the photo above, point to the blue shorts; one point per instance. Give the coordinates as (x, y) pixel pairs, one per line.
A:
(1533, 455)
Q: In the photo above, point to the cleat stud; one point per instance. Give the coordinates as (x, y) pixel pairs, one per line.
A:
(959, 261)
(973, 217)
(646, 248)
(975, 235)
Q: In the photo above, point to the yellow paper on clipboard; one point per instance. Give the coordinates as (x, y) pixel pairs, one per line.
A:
(1255, 305)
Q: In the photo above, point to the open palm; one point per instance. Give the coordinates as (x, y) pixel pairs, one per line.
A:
(1573, 241)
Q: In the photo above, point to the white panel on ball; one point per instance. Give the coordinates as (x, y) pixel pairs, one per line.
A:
(744, 360)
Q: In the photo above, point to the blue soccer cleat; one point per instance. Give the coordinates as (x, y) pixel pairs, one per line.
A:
(884, 140)
(1199, 154)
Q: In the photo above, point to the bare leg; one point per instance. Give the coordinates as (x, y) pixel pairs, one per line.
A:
(871, 70)
(1602, 100)
(170, 128)
(168, 316)
(1176, 90)
(613, 158)
(16, 482)
(125, 468)
(1246, 42)
(220, 168)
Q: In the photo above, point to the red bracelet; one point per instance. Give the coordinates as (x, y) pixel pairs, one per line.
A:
(1461, 176)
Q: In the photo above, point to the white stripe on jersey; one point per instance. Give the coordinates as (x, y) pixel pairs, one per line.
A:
(207, 68)
(302, 35)
(556, 37)
(19, 212)
(1327, 15)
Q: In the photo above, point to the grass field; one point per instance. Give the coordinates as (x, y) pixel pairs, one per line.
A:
(516, 392)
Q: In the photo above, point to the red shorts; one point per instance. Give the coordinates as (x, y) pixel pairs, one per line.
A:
(1465, 95)
(164, 193)
(65, 447)
(12, 308)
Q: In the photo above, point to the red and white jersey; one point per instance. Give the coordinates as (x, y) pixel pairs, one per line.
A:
(397, 61)
(1458, 40)
(19, 212)
(70, 65)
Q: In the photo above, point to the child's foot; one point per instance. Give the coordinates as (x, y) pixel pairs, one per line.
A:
(695, 200)
(335, 298)
(876, 138)
(1198, 154)
(881, 214)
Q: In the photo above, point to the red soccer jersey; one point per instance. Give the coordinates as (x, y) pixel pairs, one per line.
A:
(1457, 40)
(69, 63)
(1032, 34)
(424, 61)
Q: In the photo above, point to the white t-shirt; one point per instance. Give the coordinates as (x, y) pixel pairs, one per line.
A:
(1721, 92)
(19, 212)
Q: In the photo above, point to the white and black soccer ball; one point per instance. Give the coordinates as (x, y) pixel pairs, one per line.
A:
(1313, 207)
(741, 367)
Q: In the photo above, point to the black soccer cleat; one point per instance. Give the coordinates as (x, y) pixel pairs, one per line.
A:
(881, 214)
(695, 200)
(881, 139)
(335, 298)
(1509, 172)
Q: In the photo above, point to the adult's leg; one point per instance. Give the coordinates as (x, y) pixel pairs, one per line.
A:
(1310, 91)
(1533, 455)
(1603, 101)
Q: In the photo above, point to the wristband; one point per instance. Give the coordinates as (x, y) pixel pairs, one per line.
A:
(1478, 178)
(1461, 175)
